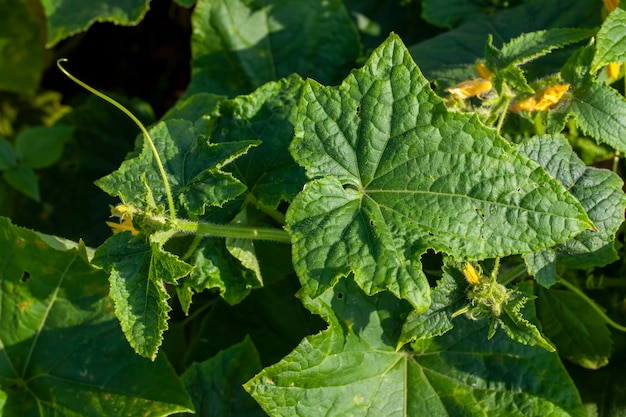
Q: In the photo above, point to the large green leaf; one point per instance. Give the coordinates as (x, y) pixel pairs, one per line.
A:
(215, 385)
(239, 45)
(396, 173)
(599, 192)
(138, 272)
(68, 17)
(22, 39)
(61, 349)
(192, 166)
(353, 368)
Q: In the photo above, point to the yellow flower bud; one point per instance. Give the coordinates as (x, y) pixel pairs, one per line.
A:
(611, 4)
(471, 275)
(612, 71)
(483, 71)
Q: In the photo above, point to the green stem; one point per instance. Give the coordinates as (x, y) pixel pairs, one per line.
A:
(593, 305)
(512, 274)
(166, 184)
(192, 248)
(273, 213)
(538, 123)
(505, 109)
(605, 283)
(237, 232)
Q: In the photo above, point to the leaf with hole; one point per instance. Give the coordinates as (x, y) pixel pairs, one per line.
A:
(395, 173)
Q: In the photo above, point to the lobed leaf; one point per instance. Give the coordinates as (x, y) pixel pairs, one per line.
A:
(353, 368)
(138, 272)
(193, 168)
(215, 267)
(542, 265)
(59, 340)
(514, 322)
(448, 297)
(505, 61)
(396, 173)
(269, 114)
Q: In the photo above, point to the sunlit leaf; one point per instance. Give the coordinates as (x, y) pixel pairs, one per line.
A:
(396, 173)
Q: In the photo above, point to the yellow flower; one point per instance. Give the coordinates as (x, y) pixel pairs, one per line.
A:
(125, 214)
(471, 275)
(470, 88)
(124, 226)
(542, 101)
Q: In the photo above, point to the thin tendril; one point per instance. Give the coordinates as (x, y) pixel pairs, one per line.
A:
(593, 305)
(166, 184)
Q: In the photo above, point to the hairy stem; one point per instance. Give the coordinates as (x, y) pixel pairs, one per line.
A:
(166, 184)
(237, 232)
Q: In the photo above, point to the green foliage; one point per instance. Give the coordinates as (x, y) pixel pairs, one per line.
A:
(205, 382)
(310, 229)
(456, 374)
(67, 17)
(60, 338)
(34, 148)
(611, 43)
(22, 36)
(379, 203)
(597, 108)
(256, 42)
